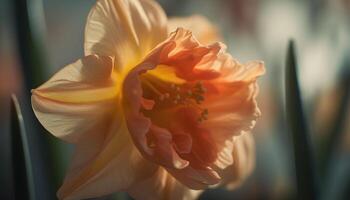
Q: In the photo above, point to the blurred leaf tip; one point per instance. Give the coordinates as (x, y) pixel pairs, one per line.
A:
(304, 165)
(21, 161)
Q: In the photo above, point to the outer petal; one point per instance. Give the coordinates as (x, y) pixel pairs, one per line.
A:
(80, 104)
(201, 27)
(113, 168)
(125, 29)
(77, 99)
(162, 186)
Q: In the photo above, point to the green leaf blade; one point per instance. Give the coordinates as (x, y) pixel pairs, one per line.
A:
(304, 165)
(21, 161)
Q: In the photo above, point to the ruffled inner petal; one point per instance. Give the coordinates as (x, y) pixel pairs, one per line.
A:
(192, 108)
(232, 103)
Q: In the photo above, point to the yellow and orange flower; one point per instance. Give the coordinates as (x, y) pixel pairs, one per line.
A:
(158, 115)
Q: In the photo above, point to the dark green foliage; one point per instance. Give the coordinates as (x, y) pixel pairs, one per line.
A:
(305, 171)
(21, 161)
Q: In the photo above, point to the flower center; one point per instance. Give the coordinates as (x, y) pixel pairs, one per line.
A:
(167, 95)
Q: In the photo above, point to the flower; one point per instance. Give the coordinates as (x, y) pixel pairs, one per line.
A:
(158, 115)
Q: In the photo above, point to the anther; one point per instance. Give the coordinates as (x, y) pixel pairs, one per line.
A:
(205, 111)
(202, 89)
(199, 99)
(198, 84)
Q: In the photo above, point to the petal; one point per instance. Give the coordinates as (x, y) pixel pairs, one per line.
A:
(233, 71)
(80, 104)
(115, 167)
(196, 179)
(125, 29)
(230, 100)
(77, 99)
(232, 103)
(182, 142)
(231, 113)
(162, 186)
(188, 58)
(140, 126)
(201, 27)
(164, 151)
(225, 158)
(244, 161)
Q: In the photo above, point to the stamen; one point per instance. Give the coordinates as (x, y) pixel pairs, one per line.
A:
(199, 99)
(203, 116)
(182, 94)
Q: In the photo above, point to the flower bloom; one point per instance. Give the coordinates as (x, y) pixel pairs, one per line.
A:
(151, 112)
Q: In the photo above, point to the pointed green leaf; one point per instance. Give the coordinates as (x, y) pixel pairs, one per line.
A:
(305, 171)
(29, 24)
(21, 161)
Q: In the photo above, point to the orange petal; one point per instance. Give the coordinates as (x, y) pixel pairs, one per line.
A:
(189, 59)
(230, 95)
(140, 126)
(232, 105)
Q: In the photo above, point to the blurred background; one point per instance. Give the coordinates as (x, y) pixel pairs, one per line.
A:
(252, 30)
